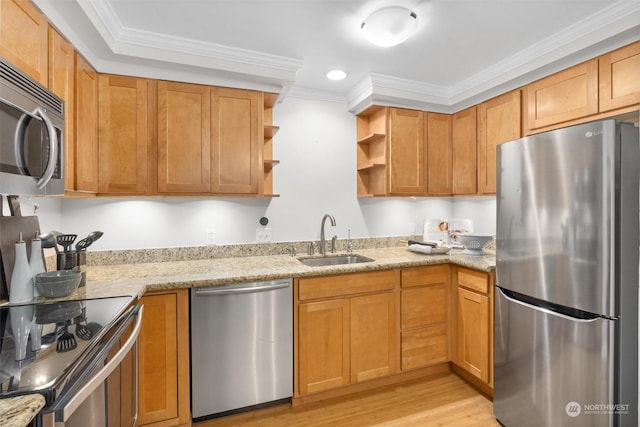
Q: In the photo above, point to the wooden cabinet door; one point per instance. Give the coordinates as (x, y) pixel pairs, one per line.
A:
(406, 152)
(620, 78)
(473, 333)
(374, 348)
(567, 95)
(235, 141)
(465, 152)
(86, 126)
(438, 142)
(123, 134)
(163, 359)
(23, 38)
(184, 138)
(62, 82)
(323, 345)
(499, 120)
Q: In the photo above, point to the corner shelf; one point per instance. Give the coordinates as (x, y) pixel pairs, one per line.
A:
(371, 146)
(269, 131)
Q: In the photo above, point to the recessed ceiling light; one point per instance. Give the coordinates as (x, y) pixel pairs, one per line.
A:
(336, 75)
(389, 26)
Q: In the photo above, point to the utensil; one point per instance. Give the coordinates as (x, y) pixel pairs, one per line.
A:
(83, 244)
(66, 240)
(66, 341)
(50, 240)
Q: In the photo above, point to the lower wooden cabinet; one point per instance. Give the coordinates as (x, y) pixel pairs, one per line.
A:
(163, 360)
(348, 336)
(475, 323)
(424, 316)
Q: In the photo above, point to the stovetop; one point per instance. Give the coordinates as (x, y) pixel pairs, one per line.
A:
(41, 343)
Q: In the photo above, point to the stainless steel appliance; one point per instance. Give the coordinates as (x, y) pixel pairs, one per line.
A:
(80, 355)
(566, 303)
(241, 346)
(31, 135)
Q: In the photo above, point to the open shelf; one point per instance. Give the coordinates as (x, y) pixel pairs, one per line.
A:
(270, 131)
(371, 138)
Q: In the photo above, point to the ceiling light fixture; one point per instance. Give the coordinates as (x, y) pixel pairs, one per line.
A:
(336, 75)
(389, 26)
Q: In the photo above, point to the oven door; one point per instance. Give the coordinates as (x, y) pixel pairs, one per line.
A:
(104, 393)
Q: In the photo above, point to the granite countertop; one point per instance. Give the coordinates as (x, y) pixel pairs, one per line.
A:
(137, 278)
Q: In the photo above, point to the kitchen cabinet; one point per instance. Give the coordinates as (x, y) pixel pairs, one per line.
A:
(371, 128)
(163, 360)
(124, 142)
(406, 152)
(464, 147)
(24, 38)
(439, 154)
(564, 96)
(269, 130)
(62, 82)
(499, 121)
(475, 323)
(184, 138)
(346, 330)
(236, 117)
(619, 78)
(86, 136)
(424, 316)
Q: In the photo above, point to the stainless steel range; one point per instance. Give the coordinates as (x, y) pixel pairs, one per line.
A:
(80, 355)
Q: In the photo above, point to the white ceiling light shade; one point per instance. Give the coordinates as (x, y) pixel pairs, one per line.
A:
(336, 75)
(389, 26)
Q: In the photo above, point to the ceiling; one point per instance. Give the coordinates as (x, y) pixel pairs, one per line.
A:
(464, 52)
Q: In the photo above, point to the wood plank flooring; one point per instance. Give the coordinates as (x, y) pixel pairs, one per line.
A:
(438, 401)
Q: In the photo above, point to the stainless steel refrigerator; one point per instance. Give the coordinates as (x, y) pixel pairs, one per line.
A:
(566, 302)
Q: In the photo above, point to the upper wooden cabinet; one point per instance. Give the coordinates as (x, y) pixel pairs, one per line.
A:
(86, 138)
(464, 148)
(24, 38)
(236, 121)
(124, 134)
(62, 82)
(620, 78)
(406, 152)
(184, 138)
(499, 120)
(564, 96)
(439, 154)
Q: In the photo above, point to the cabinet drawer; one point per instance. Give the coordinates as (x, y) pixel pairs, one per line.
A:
(424, 306)
(345, 284)
(424, 347)
(474, 280)
(421, 276)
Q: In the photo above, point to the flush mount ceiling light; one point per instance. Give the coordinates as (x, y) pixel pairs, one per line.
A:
(336, 75)
(389, 26)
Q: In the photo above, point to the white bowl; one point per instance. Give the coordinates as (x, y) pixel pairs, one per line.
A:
(57, 284)
(474, 243)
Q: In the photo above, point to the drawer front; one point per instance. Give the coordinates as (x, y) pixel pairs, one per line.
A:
(424, 306)
(420, 276)
(474, 280)
(424, 347)
(346, 284)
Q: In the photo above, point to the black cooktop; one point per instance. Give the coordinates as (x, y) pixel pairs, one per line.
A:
(41, 343)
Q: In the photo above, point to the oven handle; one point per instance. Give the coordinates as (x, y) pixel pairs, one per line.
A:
(73, 404)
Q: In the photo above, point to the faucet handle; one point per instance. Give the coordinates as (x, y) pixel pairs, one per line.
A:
(333, 244)
(310, 251)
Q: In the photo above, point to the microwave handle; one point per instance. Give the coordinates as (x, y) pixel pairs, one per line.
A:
(53, 145)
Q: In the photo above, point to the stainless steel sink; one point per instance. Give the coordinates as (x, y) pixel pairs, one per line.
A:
(334, 260)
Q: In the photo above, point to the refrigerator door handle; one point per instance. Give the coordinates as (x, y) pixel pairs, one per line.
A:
(546, 310)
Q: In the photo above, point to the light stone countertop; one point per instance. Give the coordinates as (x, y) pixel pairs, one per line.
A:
(138, 278)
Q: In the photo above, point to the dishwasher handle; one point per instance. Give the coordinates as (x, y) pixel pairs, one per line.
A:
(227, 290)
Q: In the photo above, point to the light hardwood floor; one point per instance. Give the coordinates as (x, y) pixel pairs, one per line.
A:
(441, 401)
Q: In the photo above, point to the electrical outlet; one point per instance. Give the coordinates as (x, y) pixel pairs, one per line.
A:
(211, 236)
(263, 235)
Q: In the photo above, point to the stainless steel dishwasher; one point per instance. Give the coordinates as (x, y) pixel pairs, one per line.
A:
(241, 347)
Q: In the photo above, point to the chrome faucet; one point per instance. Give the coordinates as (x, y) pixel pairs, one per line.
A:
(323, 248)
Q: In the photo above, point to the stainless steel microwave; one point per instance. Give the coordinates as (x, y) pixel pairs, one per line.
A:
(31, 135)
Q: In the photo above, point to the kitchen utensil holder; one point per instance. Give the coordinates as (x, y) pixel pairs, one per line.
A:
(73, 261)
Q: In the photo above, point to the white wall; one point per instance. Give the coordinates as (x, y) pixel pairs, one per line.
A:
(316, 147)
